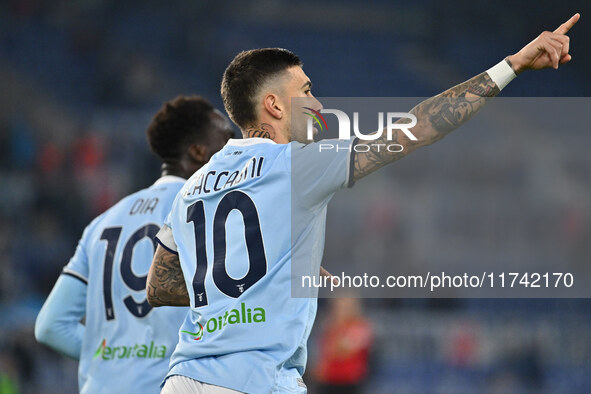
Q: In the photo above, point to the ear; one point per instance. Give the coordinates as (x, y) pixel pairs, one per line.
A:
(273, 106)
(198, 153)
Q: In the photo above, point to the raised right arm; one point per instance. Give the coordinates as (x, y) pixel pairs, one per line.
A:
(440, 115)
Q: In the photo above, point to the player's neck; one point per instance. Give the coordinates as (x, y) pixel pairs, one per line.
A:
(175, 169)
(265, 130)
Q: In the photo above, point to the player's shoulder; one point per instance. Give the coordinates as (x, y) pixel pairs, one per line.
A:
(237, 152)
(248, 144)
(168, 185)
(300, 151)
(323, 149)
(114, 210)
(164, 188)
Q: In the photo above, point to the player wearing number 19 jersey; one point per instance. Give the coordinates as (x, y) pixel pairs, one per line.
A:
(125, 345)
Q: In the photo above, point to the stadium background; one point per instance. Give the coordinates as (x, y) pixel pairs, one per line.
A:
(80, 81)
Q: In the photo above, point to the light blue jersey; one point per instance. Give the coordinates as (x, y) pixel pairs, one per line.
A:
(127, 344)
(235, 225)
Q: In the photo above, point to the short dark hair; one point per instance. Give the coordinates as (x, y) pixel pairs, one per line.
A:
(177, 124)
(246, 73)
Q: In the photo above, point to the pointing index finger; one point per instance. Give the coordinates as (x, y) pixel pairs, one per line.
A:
(566, 26)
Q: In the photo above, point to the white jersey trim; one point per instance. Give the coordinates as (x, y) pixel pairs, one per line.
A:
(165, 238)
(169, 179)
(249, 141)
(75, 274)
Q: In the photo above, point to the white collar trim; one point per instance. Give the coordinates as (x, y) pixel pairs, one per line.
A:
(169, 179)
(249, 141)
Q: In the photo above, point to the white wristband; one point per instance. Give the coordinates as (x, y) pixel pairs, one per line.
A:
(501, 74)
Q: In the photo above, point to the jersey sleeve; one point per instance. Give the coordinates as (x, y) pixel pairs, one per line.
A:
(78, 265)
(165, 237)
(320, 169)
(58, 323)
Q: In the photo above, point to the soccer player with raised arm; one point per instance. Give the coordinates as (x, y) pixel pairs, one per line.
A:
(125, 344)
(237, 224)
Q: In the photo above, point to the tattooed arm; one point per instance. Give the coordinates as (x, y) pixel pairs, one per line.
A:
(166, 283)
(440, 115)
(436, 117)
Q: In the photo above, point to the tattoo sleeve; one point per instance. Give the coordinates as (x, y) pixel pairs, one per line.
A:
(436, 117)
(166, 283)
